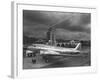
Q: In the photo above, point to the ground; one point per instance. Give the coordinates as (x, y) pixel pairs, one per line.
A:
(78, 60)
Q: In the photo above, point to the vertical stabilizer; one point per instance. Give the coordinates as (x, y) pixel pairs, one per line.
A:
(78, 47)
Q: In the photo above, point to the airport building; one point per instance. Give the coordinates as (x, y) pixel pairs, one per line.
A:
(51, 37)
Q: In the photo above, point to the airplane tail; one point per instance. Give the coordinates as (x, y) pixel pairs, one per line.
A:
(78, 47)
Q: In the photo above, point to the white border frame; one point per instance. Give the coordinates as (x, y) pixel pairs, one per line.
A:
(17, 28)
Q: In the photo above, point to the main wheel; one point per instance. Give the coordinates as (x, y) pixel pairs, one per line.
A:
(33, 61)
(46, 60)
(77, 53)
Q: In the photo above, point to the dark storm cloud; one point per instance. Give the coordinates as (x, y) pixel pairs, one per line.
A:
(85, 18)
(65, 34)
(34, 16)
(37, 17)
(36, 23)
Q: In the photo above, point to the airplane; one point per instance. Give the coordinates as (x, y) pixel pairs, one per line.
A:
(53, 50)
(48, 50)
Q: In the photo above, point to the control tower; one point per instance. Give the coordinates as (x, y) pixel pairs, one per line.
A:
(51, 33)
(51, 36)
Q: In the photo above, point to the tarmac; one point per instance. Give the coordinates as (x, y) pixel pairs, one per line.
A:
(79, 60)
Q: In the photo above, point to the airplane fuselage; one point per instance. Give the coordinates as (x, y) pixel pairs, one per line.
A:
(52, 48)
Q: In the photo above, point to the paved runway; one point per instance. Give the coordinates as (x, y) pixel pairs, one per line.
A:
(78, 60)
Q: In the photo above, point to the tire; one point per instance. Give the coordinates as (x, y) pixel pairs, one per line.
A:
(47, 61)
(33, 61)
(77, 53)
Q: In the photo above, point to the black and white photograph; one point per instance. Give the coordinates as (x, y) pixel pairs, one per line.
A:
(56, 39)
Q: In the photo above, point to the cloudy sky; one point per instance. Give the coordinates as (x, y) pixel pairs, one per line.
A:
(68, 25)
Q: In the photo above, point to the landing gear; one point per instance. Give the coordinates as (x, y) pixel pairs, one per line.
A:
(45, 58)
(34, 58)
(33, 61)
(77, 53)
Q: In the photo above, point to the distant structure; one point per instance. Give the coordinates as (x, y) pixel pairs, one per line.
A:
(72, 42)
(51, 33)
(51, 36)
